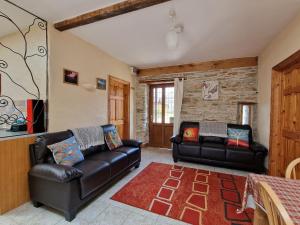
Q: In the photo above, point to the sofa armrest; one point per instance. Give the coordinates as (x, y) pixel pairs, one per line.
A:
(256, 147)
(55, 172)
(133, 143)
(176, 139)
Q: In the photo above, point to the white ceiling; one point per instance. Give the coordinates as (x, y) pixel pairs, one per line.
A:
(213, 29)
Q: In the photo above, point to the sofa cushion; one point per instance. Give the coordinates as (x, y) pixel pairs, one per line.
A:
(189, 149)
(213, 151)
(95, 174)
(212, 139)
(243, 127)
(239, 154)
(112, 139)
(191, 134)
(118, 161)
(66, 152)
(132, 153)
(238, 137)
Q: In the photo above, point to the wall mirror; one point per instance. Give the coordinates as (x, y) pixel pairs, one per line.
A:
(23, 71)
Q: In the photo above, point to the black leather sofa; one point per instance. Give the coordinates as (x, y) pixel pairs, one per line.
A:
(67, 188)
(214, 150)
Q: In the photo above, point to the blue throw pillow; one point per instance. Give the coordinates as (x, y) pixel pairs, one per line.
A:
(238, 137)
(66, 152)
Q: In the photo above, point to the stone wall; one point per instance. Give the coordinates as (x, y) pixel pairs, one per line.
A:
(235, 85)
(142, 103)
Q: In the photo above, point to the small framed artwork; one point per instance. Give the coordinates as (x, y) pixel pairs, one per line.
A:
(101, 84)
(71, 77)
(210, 90)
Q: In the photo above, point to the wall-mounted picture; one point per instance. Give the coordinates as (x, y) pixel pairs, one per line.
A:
(71, 77)
(210, 90)
(101, 84)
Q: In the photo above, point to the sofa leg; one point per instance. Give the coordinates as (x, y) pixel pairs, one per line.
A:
(137, 165)
(37, 204)
(175, 160)
(69, 216)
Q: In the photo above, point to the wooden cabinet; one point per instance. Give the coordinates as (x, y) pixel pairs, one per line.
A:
(14, 167)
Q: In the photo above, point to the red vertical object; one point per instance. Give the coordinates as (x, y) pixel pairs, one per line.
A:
(30, 116)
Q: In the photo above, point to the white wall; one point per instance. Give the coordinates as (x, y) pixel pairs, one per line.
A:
(73, 106)
(283, 46)
(17, 69)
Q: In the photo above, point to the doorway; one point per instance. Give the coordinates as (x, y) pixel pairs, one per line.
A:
(161, 111)
(285, 115)
(119, 105)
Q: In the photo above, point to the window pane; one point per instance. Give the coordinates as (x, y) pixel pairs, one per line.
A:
(157, 105)
(246, 115)
(169, 105)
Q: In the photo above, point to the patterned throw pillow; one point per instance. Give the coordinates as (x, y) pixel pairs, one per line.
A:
(191, 134)
(66, 152)
(113, 139)
(238, 137)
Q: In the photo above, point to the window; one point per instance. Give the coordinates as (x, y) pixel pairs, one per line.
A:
(246, 111)
(162, 104)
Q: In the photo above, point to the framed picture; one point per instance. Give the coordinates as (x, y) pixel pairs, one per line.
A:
(210, 90)
(101, 84)
(71, 77)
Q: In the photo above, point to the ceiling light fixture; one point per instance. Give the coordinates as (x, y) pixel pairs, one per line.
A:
(173, 36)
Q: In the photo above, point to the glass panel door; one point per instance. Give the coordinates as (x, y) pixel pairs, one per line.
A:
(157, 105)
(169, 105)
(162, 105)
(161, 114)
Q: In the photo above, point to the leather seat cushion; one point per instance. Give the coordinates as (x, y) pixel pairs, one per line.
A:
(189, 149)
(239, 154)
(95, 174)
(213, 151)
(118, 161)
(132, 153)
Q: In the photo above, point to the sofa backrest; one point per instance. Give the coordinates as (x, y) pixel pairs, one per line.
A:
(187, 124)
(39, 153)
(108, 127)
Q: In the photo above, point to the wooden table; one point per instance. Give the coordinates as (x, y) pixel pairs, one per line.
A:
(288, 191)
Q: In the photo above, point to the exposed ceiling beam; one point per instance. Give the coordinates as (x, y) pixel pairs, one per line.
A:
(107, 12)
(200, 67)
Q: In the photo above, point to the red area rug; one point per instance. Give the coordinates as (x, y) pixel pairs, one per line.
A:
(194, 196)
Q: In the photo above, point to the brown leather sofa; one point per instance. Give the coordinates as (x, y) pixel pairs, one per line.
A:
(214, 150)
(67, 188)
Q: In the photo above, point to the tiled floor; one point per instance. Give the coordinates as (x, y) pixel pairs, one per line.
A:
(103, 210)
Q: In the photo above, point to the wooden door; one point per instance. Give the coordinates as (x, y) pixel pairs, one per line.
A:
(285, 115)
(161, 115)
(119, 105)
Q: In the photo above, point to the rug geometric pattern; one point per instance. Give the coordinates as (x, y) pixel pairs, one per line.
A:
(190, 195)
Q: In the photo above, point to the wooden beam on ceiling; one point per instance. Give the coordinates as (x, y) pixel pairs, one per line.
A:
(200, 67)
(107, 12)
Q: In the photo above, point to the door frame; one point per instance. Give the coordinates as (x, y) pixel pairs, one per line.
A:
(276, 125)
(150, 104)
(126, 103)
